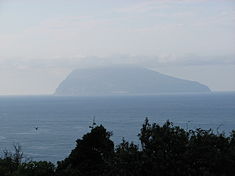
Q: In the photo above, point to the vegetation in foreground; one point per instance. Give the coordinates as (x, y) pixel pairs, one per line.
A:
(164, 150)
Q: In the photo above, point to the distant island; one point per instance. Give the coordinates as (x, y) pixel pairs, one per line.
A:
(124, 80)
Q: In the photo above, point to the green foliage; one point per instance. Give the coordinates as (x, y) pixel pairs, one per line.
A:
(33, 168)
(10, 161)
(12, 165)
(127, 160)
(164, 150)
(91, 156)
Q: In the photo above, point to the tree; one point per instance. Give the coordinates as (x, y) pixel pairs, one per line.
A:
(33, 168)
(127, 160)
(11, 160)
(92, 154)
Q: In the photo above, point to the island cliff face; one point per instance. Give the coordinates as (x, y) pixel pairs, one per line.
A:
(124, 81)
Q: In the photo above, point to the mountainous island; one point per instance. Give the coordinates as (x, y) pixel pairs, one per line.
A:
(124, 80)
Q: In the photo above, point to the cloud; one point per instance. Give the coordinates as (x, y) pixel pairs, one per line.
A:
(71, 63)
(170, 27)
(150, 5)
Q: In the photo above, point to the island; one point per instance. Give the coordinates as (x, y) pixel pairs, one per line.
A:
(124, 80)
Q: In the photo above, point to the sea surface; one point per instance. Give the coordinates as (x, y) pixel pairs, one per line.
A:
(62, 120)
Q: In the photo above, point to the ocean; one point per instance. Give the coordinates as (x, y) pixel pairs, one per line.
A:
(62, 120)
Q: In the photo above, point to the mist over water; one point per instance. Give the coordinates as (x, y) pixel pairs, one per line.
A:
(61, 120)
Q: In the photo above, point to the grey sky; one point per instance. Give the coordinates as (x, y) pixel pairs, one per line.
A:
(42, 41)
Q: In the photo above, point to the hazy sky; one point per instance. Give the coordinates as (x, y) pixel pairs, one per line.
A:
(42, 41)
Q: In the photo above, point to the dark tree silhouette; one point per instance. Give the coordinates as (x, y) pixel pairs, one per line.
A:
(92, 154)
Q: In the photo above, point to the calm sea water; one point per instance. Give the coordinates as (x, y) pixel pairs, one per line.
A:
(61, 120)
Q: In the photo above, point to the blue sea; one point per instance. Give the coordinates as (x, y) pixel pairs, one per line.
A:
(62, 120)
